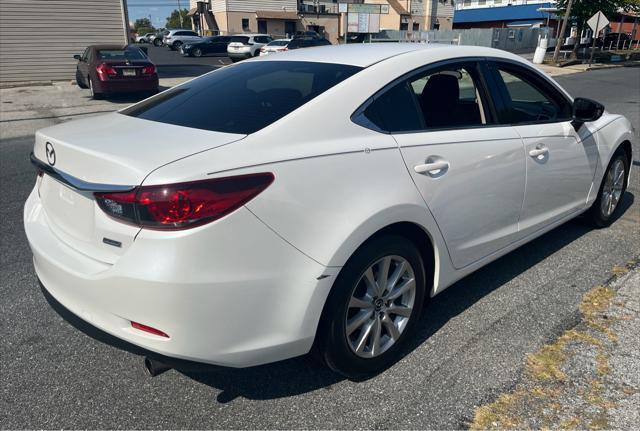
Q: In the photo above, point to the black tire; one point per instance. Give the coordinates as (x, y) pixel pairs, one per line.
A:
(332, 343)
(176, 45)
(197, 52)
(79, 80)
(157, 42)
(597, 215)
(234, 60)
(94, 94)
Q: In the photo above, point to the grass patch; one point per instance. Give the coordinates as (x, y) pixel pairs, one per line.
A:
(496, 415)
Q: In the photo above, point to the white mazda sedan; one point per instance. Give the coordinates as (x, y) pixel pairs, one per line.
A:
(313, 200)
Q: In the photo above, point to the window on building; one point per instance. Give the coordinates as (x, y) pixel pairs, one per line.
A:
(245, 24)
(404, 26)
(416, 26)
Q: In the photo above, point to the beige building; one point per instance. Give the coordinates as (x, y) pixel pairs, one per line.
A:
(279, 18)
(416, 15)
(282, 18)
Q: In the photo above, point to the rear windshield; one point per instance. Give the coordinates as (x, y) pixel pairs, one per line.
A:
(120, 54)
(241, 39)
(242, 98)
(279, 43)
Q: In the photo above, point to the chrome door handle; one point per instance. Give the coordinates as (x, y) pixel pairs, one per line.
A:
(432, 168)
(537, 152)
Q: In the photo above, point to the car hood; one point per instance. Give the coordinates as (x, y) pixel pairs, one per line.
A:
(117, 149)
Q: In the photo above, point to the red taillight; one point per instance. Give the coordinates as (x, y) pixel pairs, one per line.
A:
(148, 329)
(149, 70)
(104, 71)
(183, 205)
(262, 49)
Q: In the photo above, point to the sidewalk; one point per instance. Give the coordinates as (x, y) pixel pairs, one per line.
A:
(588, 377)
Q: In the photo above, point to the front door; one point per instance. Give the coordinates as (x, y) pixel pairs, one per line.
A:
(469, 170)
(560, 163)
(262, 26)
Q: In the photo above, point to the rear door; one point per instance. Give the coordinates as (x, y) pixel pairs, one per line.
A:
(560, 164)
(469, 170)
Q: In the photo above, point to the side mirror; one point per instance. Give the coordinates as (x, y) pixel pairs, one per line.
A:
(585, 110)
(77, 57)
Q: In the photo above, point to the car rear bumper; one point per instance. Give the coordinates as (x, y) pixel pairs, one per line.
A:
(123, 85)
(229, 293)
(239, 54)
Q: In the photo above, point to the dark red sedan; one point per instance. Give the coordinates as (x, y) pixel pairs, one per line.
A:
(107, 69)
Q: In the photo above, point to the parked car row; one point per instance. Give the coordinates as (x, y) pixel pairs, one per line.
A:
(241, 46)
(106, 69)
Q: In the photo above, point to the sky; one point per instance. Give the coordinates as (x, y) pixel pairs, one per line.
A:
(158, 9)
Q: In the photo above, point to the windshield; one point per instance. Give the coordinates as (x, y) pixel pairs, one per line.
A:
(243, 98)
(279, 43)
(241, 39)
(120, 54)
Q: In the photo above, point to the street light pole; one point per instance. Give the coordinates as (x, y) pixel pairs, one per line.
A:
(560, 38)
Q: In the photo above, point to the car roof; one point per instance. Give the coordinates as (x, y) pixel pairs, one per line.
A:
(366, 54)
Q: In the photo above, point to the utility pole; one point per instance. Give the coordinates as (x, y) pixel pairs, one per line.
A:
(180, 13)
(560, 37)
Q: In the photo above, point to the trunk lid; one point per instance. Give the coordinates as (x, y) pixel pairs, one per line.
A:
(112, 150)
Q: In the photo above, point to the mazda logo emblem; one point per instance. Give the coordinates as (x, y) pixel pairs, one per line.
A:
(51, 154)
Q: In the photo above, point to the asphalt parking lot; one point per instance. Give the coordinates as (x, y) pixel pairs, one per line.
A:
(172, 64)
(470, 346)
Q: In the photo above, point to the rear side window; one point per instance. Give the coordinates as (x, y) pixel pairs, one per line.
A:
(243, 98)
(241, 39)
(395, 110)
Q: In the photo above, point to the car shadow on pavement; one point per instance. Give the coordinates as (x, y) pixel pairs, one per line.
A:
(305, 374)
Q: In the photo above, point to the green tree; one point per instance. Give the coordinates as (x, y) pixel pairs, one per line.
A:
(143, 26)
(173, 20)
(582, 10)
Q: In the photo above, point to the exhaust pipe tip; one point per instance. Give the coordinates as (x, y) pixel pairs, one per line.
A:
(154, 368)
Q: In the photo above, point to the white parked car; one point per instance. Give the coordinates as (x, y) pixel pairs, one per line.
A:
(244, 46)
(277, 45)
(144, 38)
(333, 192)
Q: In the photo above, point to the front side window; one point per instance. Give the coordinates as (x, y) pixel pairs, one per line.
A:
(446, 98)
(255, 94)
(528, 99)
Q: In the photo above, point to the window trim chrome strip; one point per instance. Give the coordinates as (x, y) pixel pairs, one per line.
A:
(76, 183)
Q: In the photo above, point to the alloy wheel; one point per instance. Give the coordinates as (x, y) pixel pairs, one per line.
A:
(612, 189)
(380, 306)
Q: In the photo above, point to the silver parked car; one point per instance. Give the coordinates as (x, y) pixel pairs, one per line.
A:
(174, 39)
